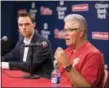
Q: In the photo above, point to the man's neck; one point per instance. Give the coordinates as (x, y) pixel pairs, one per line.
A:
(27, 38)
(79, 44)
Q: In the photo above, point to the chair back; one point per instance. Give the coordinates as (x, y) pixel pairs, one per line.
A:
(106, 79)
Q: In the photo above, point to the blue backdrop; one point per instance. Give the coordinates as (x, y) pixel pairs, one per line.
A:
(49, 20)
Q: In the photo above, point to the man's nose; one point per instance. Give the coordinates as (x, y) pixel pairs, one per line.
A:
(66, 33)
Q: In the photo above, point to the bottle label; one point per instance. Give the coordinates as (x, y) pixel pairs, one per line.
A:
(55, 80)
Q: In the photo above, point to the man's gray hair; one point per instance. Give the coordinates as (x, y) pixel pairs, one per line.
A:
(71, 17)
(78, 17)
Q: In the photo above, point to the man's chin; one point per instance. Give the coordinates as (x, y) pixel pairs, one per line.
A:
(67, 44)
(25, 35)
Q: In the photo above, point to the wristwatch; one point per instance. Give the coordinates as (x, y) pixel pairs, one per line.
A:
(68, 68)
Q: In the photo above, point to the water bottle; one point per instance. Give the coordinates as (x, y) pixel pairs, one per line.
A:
(55, 76)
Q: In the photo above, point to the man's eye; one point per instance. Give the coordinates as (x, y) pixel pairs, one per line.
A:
(27, 24)
(69, 30)
(20, 24)
(73, 29)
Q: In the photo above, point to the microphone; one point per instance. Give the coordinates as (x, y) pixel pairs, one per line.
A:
(4, 38)
(42, 44)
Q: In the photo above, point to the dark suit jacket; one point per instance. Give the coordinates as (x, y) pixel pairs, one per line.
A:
(42, 57)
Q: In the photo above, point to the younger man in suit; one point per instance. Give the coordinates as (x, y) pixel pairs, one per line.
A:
(20, 56)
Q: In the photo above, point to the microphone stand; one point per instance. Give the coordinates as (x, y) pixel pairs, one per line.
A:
(31, 75)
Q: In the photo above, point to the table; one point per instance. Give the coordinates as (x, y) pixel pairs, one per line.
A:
(13, 78)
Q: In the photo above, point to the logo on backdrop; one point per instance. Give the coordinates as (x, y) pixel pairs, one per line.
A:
(100, 35)
(45, 33)
(61, 10)
(59, 34)
(61, 2)
(33, 10)
(33, 5)
(101, 10)
(80, 7)
(45, 11)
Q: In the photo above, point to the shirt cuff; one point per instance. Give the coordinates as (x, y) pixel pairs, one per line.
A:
(5, 65)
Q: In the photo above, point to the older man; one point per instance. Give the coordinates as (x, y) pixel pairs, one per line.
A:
(81, 64)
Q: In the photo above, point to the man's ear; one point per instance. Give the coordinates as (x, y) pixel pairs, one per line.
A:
(82, 32)
(34, 24)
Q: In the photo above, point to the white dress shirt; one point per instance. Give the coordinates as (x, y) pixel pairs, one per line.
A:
(26, 49)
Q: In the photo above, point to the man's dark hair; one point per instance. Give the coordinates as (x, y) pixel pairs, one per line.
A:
(26, 15)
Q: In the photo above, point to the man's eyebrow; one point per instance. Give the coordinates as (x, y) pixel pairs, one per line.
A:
(23, 23)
